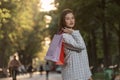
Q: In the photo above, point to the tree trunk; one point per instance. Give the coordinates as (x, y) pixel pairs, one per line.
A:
(119, 43)
(90, 53)
(105, 42)
(94, 48)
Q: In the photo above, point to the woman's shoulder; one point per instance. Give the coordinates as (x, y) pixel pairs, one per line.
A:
(66, 35)
(77, 31)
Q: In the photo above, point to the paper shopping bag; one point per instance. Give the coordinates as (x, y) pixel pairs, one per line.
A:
(62, 55)
(53, 53)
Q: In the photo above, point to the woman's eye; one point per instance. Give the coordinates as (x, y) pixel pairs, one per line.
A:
(67, 18)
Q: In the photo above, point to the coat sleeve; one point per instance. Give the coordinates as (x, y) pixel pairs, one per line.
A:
(75, 43)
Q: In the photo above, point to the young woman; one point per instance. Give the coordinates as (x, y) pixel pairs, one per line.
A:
(76, 65)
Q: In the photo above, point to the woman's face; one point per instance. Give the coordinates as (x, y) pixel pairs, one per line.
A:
(70, 20)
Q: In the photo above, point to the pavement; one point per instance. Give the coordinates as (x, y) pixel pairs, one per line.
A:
(37, 76)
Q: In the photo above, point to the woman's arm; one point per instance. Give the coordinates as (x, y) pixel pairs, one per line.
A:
(75, 43)
(78, 39)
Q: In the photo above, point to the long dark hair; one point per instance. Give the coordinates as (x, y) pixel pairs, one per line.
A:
(62, 18)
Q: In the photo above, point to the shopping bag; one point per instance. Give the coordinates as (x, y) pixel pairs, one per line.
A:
(53, 53)
(62, 56)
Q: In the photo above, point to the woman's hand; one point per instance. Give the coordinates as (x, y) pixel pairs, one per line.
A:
(67, 30)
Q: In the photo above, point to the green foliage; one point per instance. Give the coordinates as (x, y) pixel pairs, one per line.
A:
(21, 30)
(6, 29)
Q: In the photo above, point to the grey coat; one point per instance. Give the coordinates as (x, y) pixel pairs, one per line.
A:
(76, 60)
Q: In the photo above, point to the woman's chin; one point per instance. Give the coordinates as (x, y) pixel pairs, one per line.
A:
(71, 26)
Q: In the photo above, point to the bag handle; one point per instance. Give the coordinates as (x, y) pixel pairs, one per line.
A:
(60, 32)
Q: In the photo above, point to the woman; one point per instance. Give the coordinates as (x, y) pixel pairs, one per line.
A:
(76, 65)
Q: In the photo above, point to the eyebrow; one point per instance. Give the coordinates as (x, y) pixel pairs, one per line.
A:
(71, 17)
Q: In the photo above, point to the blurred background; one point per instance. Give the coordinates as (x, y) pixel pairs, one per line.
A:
(27, 27)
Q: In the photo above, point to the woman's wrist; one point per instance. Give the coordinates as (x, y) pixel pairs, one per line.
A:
(71, 31)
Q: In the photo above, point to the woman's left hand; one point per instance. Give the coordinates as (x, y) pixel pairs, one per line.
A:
(67, 30)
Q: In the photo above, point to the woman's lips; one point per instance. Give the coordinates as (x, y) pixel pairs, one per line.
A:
(71, 23)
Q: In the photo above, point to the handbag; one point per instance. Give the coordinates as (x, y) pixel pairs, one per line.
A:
(54, 50)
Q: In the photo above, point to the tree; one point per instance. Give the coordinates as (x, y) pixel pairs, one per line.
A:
(6, 30)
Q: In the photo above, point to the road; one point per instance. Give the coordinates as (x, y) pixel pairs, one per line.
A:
(36, 76)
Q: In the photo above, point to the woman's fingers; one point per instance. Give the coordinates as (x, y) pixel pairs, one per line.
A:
(67, 30)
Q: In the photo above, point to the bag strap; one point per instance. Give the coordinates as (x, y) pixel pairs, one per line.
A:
(60, 32)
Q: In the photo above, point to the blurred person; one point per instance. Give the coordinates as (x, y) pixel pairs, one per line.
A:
(116, 69)
(30, 69)
(5, 72)
(22, 69)
(116, 77)
(76, 65)
(41, 69)
(47, 69)
(109, 72)
(101, 68)
(13, 66)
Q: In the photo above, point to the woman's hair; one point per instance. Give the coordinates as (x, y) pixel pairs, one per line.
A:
(62, 23)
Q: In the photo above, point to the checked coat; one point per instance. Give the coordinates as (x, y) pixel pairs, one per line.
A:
(76, 65)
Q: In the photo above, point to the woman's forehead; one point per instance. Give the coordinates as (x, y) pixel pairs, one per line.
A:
(69, 15)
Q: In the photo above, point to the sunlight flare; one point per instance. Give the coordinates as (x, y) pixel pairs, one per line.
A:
(47, 5)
